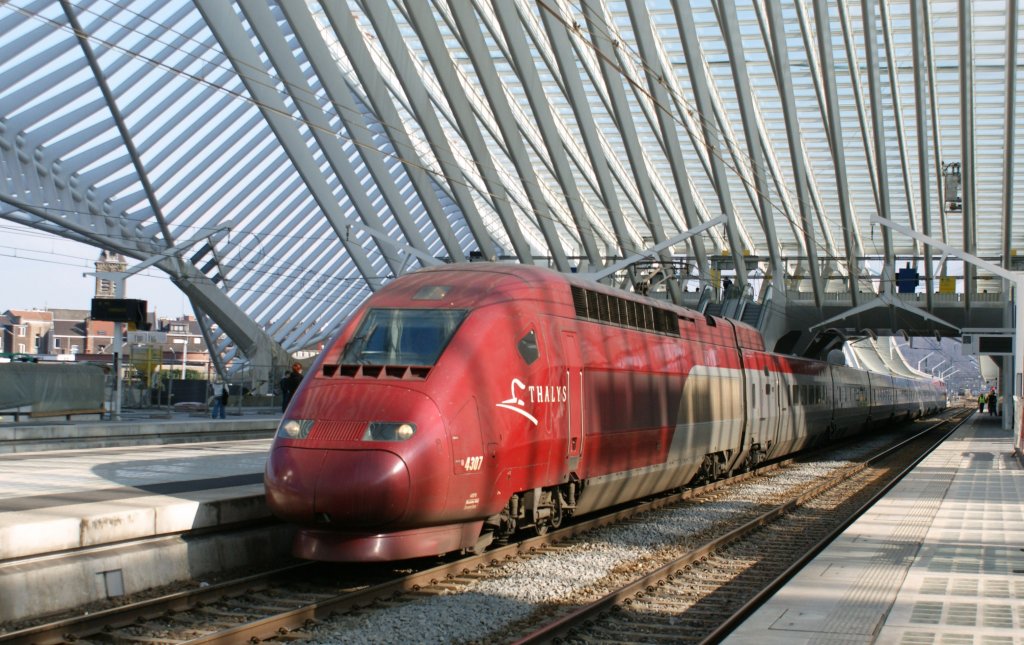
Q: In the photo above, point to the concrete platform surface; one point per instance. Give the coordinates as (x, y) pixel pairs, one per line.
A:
(134, 428)
(939, 560)
(78, 526)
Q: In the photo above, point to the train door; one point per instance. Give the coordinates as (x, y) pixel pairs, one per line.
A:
(778, 400)
(765, 420)
(575, 398)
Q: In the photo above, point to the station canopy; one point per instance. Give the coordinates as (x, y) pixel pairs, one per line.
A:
(281, 161)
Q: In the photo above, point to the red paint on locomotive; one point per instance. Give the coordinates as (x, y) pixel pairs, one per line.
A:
(466, 401)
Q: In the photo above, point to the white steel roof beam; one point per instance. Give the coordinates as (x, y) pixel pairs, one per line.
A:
(244, 57)
(569, 138)
(835, 138)
(699, 84)
(359, 54)
(126, 135)
(785, 85)
(630, 69)
(339, 99)
(595, 16)
(858, 96)
(878, 129)
(518, 48)
(921, 62)
(551, 190)
(936, 131)
(792, 213)
(1010, 132)
(694, 123)
(422, 20)
(473, 39)
(970, 202)
(897, 108)
(283, 60)
(824, 221)
(555, 25)
(587, 57)
(726, 12)
(665, 122)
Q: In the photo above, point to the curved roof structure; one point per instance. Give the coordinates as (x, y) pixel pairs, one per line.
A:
(282, 160)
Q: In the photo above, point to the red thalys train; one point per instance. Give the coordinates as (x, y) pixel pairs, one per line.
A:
(465, 402)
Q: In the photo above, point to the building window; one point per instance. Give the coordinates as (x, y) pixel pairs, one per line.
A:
(74, 349)
(56, 343)
(21, 348)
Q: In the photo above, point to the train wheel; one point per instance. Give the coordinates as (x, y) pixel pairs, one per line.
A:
(556, 509)
(552, 519)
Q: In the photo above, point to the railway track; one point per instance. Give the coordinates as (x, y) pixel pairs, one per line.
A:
(704, 594)
(296, 603)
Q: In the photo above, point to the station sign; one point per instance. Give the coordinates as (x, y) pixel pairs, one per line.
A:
(121, 310)
(987, 342)
(147, 337)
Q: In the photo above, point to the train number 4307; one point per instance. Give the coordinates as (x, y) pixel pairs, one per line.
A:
(472, 463)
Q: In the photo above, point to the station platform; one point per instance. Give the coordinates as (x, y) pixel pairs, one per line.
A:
(151, 426)
(85, 525)
(940, 559)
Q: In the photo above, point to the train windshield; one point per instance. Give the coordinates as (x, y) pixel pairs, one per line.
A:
(402, 336)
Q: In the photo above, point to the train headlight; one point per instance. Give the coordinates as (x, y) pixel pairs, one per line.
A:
(294, 428)
(381, 431)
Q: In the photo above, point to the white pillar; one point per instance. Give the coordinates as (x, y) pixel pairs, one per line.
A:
(1014, 390)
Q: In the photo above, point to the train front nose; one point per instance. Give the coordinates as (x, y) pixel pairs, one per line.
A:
(354, 457)
(353, 488)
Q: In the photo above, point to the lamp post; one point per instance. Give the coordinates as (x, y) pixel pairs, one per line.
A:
(923, 360)
(170, 381)
(184, 354)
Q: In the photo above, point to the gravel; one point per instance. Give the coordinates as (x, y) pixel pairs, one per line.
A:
(569, 574)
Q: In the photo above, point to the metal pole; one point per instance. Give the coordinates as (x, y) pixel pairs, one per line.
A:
(1016, 388)
(119, 290)
(170, 381)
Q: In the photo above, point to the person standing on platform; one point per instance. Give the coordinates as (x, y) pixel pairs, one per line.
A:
(225, 392)
(220, 402)
(289, 384)
(981, 402)
(992, 402)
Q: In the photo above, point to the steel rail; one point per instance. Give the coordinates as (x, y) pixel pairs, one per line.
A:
(750, 606)
(78, 628)
(283, 623)
(566, 623)
(72, 629)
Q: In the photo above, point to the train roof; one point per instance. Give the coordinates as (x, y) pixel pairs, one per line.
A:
(488, 282)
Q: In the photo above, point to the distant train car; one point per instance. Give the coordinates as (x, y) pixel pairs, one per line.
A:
(465, 402)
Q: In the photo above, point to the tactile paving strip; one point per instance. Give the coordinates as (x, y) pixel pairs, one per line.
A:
(966, 584)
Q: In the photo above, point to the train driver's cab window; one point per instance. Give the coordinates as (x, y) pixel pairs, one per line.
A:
(402, 336)
(527, 347)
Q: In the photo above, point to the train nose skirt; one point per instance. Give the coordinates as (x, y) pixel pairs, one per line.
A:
(361, 489)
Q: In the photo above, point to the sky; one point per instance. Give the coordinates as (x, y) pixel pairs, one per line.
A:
(41, 270)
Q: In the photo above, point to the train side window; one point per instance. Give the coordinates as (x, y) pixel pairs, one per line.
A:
(527, 347)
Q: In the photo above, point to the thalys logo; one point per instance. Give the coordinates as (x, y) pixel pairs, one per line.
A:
(535, 394)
